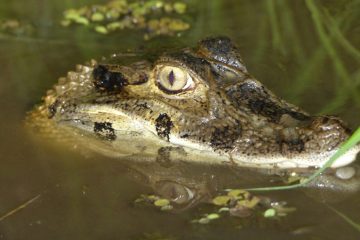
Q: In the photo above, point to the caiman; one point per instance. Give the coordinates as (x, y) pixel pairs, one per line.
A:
(197, 104)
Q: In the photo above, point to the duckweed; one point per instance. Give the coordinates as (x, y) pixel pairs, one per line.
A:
(238, 193)
(15, 27)
(179, 7)
(166, 207)
(207, 218)
(161, 202)
(213, 216)
(240, 203)
(118, 15)
(221, 200)
(236, 203)
(81, 20)
(97, 17)
(223, 209)
(101, 29)
(114, 26)
(269, 213)
(203, 220)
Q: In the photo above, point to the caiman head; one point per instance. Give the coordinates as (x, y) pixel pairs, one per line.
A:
(202, 101)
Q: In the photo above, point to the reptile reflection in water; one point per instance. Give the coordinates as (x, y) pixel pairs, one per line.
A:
(188, 184)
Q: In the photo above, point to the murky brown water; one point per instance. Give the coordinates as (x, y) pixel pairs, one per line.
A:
(87, 197)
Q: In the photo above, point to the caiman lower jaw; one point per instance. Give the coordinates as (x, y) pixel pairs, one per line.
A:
(300, 161)
(347, 158)
(124, 126)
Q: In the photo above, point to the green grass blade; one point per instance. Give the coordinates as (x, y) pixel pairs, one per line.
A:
(286, 20)
(325, 40)
(333, 27)
(276, 36)
(307, 74)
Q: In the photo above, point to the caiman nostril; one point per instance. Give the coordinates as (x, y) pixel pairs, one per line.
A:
(105, 80)
(330, 123)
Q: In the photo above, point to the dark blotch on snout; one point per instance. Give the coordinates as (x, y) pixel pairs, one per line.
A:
(105, 130)
(225, 137)
(290, 146)
(163, 125)
(105, 80)
(258, 100)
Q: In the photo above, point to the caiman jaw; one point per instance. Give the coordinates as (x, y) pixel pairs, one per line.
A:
(115, 124)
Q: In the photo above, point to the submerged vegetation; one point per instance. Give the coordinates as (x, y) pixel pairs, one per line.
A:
(243, 204)
(331, 28)
(15, 27)
(235, 202)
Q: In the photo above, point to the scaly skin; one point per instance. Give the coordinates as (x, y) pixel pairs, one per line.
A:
(223, 114)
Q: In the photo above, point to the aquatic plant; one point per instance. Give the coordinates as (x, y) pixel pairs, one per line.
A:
(155, 17)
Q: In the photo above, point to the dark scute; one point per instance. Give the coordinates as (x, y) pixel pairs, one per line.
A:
(329, 123)
(199, 65)
(223, 50)
(163, 125)
(259, 102)
(217, 45)
(105, 130)
(298, 116)
(143, 78)
(104, 80)
(52, 109)
(296, 145)
(186, 135)
(225, 137)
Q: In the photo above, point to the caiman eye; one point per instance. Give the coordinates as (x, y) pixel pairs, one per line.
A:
(174, 79)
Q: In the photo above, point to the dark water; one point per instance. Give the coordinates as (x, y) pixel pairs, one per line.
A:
(92, 198)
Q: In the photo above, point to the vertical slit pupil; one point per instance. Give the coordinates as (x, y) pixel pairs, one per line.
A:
(171, 78)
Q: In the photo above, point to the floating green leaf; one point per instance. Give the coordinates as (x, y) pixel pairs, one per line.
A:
(101, 29)
(249, 203)
(81, 20)
(97, 17)
(271, 212)
(213, 216)
(179, 7)
(237, 192)
(166, 208)
(161, 202)
(115, 25)
(221, 200)
(203, 220)
(223, 209)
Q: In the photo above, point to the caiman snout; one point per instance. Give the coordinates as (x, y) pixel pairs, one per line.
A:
(329, 131)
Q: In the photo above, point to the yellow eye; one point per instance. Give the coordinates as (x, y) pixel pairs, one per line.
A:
(174, 79)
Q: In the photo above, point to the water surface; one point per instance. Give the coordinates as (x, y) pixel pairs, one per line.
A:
(87, 197)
